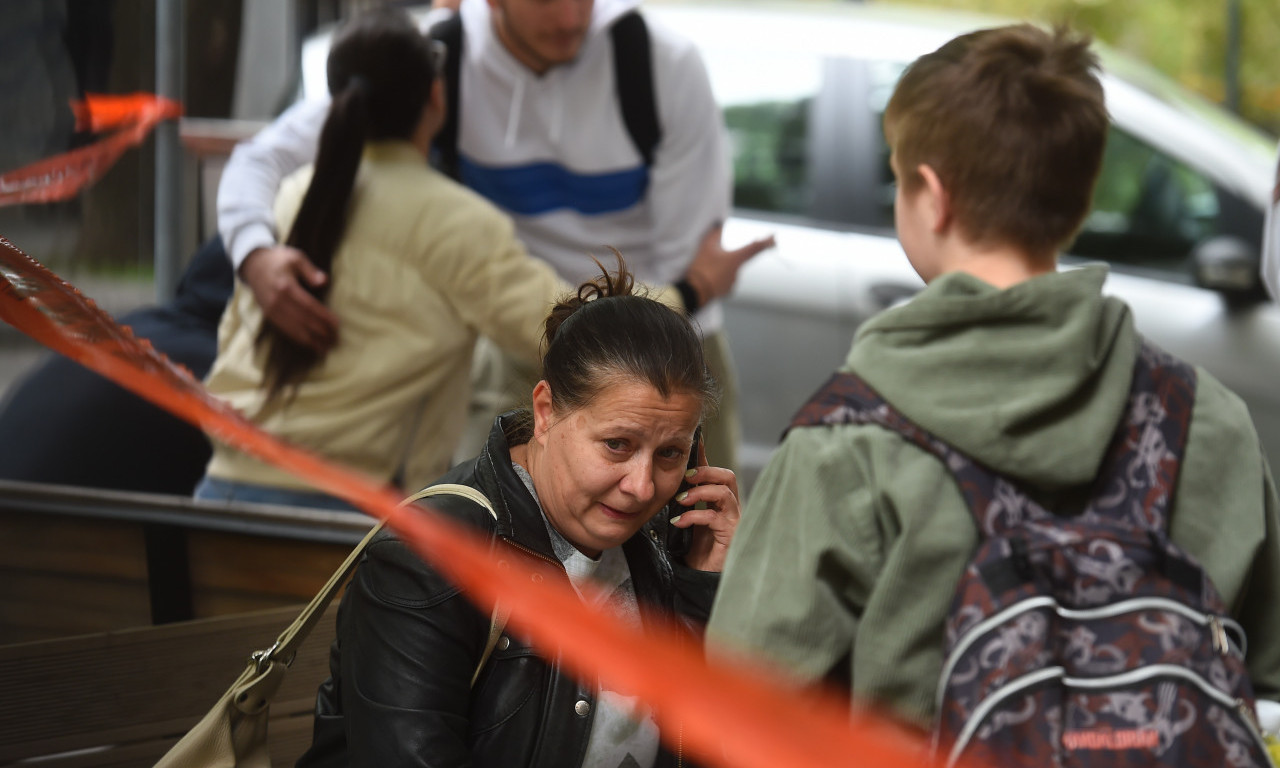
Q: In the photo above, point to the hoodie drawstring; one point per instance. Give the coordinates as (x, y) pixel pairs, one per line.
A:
(513, 117)
(557, 114)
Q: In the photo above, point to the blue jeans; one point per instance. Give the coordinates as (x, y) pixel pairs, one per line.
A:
(217, 489)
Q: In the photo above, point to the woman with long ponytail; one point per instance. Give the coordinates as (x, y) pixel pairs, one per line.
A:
(417, 267)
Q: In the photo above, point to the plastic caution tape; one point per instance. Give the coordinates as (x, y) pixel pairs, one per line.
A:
(63, 176)
(732, 715)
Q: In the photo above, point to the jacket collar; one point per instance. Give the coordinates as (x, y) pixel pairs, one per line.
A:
(519, 518)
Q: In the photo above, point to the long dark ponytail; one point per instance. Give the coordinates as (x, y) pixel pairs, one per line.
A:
(380, 76)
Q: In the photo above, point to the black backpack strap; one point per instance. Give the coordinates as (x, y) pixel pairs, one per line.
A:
(1140, 472)
(846, 398)
(633, 73)
(444, 148)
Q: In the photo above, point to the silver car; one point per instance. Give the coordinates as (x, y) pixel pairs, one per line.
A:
(1178, 213)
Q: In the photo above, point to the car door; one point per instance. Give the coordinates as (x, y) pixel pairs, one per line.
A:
(802, 173)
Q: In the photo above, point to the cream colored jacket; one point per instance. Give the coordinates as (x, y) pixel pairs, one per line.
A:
(424, 266)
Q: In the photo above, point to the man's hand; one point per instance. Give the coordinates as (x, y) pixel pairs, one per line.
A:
(277, 276)
(714, 270)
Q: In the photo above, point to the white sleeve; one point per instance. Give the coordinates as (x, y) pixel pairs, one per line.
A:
(1271, 241)
(690, 182)
(253, 174)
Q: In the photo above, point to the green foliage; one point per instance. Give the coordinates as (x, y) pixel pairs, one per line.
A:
(1185, 40)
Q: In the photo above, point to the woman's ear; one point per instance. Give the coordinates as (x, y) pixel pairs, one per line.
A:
(542, 411)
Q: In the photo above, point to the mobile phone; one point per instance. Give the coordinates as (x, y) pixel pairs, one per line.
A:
(678, 540)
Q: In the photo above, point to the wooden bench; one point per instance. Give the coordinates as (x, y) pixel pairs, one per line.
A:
(75, 561)
(123, 618)
(122, 698)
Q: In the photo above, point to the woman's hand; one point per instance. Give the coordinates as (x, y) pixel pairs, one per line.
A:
(718, 487)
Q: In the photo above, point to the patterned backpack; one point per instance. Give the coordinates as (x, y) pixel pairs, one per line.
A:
(1089, 639)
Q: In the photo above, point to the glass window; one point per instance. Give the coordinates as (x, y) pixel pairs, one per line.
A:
(766, 101)
(884, 77)
(1149, 210)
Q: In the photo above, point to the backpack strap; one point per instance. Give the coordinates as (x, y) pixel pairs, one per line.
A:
(848, 399)
(445, 145)
(1138, 475)
(633, 73)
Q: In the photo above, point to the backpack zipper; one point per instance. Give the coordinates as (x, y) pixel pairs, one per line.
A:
(1217, 626)
(980, 714)
(1231, 703)
(980, 629)
(1111, 681)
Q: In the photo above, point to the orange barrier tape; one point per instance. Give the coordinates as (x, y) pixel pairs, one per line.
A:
(735, 716)
(63, 176)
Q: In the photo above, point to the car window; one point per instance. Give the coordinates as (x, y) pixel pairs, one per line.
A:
(884, 77)
(1149, 210)
(766, 101)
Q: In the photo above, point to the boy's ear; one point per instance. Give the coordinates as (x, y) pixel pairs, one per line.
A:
(939, 198)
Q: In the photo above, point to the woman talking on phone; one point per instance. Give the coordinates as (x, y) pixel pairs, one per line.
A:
(577, 480)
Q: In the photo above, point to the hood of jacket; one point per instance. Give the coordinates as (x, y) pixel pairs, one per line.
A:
(1030, 380)
(485, 51)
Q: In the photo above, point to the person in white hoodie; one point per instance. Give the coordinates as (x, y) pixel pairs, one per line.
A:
(540, 134)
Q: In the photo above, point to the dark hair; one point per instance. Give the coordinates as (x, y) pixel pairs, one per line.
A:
(1014, 122)
(380, 77)
(608, 332)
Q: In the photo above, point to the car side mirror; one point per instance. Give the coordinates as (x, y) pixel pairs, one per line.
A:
(1228, 265)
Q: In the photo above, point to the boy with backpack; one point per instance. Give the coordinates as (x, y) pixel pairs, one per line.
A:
(1008, 519)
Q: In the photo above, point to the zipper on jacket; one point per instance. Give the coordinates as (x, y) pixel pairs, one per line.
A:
(517, 545)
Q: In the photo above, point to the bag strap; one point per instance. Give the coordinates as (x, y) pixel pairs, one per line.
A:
(498, 619)
(1161, 395)
(286, 645)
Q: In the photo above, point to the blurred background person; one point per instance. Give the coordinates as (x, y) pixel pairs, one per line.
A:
(542, 132)
(63, 423)
(417, 266)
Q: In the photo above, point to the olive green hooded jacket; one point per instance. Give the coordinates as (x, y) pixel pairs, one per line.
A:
(847, 556)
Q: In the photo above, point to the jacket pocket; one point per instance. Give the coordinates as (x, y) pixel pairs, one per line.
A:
(508, 686)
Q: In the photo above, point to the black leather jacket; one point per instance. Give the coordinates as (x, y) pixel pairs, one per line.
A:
(408, 642)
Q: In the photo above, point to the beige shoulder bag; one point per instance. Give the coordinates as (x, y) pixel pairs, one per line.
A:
(234, 732)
